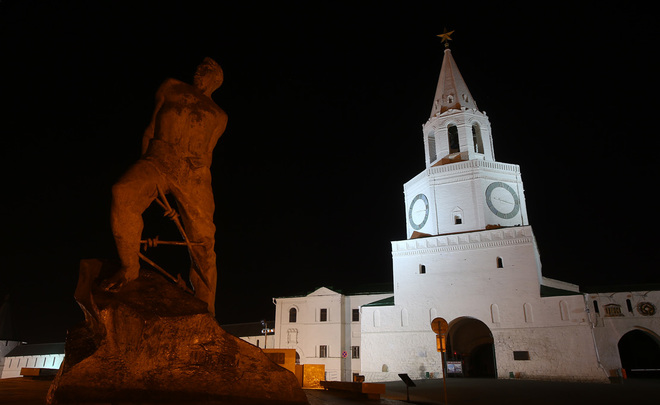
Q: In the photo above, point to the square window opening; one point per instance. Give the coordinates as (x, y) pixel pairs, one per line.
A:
(521, 355)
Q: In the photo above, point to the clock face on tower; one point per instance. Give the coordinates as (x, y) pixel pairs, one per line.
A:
(418, 212)
(502, 200)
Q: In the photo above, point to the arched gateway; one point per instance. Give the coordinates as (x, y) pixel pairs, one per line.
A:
(640, 354)
(471, 342)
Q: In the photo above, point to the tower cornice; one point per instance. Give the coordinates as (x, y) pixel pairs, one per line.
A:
(464, 241)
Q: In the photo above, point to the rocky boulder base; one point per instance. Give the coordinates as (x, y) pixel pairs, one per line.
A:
(152, 342)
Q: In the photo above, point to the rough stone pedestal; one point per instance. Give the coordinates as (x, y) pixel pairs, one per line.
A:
(153, 343)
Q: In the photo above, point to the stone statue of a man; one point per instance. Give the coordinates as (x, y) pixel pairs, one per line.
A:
(177, 149)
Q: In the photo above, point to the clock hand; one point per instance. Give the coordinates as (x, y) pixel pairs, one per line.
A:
(504, 201)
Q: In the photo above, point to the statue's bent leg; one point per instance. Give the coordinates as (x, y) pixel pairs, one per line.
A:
(131, 196)
(196, 207)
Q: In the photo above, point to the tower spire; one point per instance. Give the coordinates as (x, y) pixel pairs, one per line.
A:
(452, 92)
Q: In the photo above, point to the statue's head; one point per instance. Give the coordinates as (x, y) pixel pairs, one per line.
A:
(208, 76)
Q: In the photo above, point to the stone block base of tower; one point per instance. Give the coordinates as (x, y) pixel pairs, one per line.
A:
(154, 343)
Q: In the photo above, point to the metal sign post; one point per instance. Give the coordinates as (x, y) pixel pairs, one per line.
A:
(409, 383)
(440, 327)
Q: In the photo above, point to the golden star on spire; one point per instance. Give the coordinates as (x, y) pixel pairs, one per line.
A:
(446, 37)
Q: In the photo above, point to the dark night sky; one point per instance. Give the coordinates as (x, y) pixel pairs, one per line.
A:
(325, 106)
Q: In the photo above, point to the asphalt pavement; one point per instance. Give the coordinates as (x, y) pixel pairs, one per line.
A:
(474, 391)
(460, 391)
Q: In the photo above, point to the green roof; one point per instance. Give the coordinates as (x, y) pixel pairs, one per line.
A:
(556, 292)
(37, 349)
(385, 302)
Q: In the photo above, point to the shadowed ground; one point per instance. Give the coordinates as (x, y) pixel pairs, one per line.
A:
(25, 391)
(469, 391)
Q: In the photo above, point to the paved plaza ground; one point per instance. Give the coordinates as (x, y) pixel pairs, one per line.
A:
(460, 391)
(473, 391)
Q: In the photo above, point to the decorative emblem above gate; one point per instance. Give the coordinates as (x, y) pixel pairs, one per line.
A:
(646, 308)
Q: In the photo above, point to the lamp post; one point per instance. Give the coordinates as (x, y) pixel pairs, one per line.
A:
(266, 331)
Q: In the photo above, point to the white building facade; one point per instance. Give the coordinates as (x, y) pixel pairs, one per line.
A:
(324, 328)
(471, 258)
(47, 356)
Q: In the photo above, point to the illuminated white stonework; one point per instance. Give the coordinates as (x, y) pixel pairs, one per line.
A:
(458, 199)
(324, 329)
(471, 258)
(37, 356)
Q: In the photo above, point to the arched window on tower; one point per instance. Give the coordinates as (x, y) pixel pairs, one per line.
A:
(452, 134)
(293, 315)
(476, 138)
(433, 155)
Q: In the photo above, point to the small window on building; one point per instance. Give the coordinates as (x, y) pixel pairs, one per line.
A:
(457, 216)
(323, 351)
(629, 305)
(500, 263)
(521, 355)
(323, 315)
(355, 352)
(293, 315)
(422, 269)
(356, 315)
(596, 307)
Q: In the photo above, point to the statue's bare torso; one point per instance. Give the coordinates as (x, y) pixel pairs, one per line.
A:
(186, 119)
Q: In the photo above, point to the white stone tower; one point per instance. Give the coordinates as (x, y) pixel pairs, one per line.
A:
(470, 257)
(463, 187)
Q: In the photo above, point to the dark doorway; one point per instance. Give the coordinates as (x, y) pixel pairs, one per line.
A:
(471, 342)
(640, 354)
